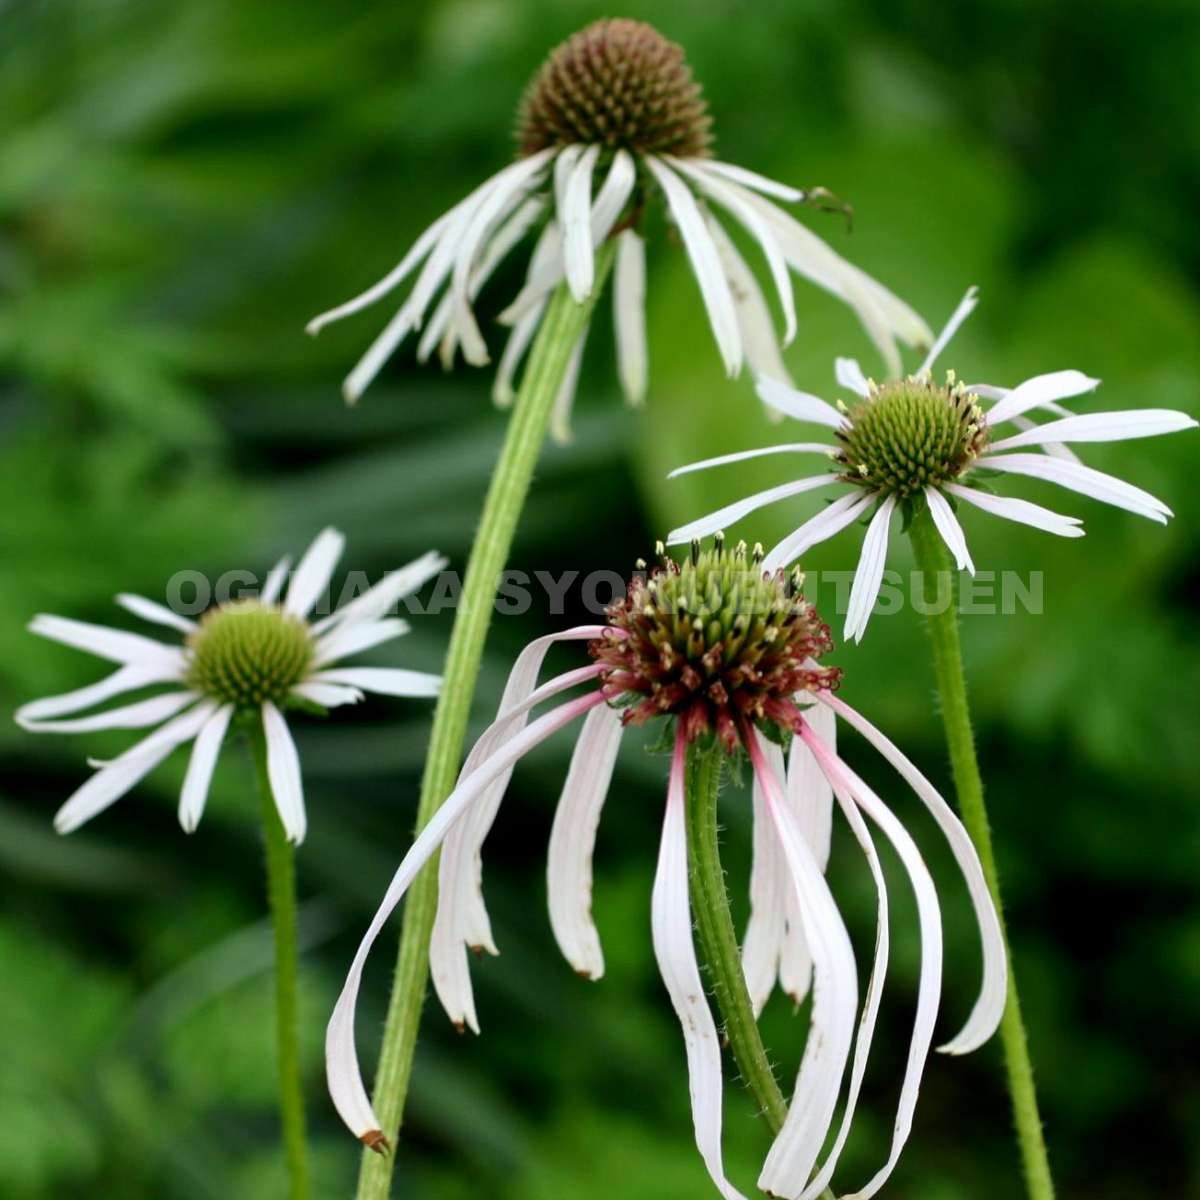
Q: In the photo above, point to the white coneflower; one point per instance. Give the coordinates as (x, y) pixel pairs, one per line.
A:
(724, 651)
(614, 122)
(918, 442)
(248, 660)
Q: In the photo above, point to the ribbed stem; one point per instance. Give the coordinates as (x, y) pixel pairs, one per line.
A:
(281, 893)
(558, 333)
(932, 559)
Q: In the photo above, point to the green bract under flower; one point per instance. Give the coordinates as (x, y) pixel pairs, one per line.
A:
(247, 653)
(716, 642)
(905, 436)
(617, 83)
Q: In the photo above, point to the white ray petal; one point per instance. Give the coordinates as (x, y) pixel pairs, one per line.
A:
(741, 455)
(114, 644)
(850, 375)
(273, 584)
(314, 571)
(829, 522)
(573, 839)
(629, 315)
(706, 263)
(1055, 449)
(128, 716)
(327, 695)
(384, 681)
(948, 526)
(564, 400)
(757, 227)
(378, 601)
(116, 778)
(124, 679)
(1022, 511)
(547, 251)
(576, 218)
(1101, 427)
(989, 1007)
(1038, 392)
(159, 614)
(766, 928)
(966, 306)
(346, 640)
(201, 765)
(614, 194)
(671, 928)
(742, 176)
(1086, 480)
(283, 772)
(341, 1057)
(801, 405)
(760, 342)
(869, 574)
(732, 513)
(835, 1002)
(564, 164)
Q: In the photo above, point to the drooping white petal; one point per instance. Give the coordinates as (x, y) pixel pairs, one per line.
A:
(116, 778)
(671, 929)
(200, 767)
(283, 772)
(573, 838)
(1055, 449)
(128, 716)
(766, 928)
(835, 1001)
(1086, 480)
(851, 791)
(800, 405)
(1101, 427)
(844, 511)
(629, 315)
(576, 219)
(948, 526)
(341, 1058)
(273, 584)
(1038, 392)
(377, 601)
(1022, 511)
(420, 248)
(384, 681)
(564, 164)
(614, 194)
(546, 251)
(869, 574)
(989, 1007)
(740, 175)
(966, 306)
(741, 455)
(760, 343)
(706, 264)
(159, 614)
(732, 513)
(345, 640)
(850, 375)
(114, 644)
(314, 571)
(758, 228)
(124, 679)
(327, 695)
(564, 400)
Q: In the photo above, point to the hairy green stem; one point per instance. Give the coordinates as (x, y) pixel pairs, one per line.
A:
(281, 893)
(932, 561)
(560, 329)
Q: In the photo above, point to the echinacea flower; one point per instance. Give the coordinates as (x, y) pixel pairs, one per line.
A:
(915, 442)
(242, 662)
(728, 655)
(611, 124)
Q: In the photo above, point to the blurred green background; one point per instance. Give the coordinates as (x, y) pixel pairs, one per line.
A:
(183, 185)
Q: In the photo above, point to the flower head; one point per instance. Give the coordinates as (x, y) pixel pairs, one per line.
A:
(612, 125)
(243, 662)
(919, 442)
(796, 933)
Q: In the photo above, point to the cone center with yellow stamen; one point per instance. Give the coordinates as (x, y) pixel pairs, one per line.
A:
(616, 84)
(912, 433)
(246, 653)
(714, 641)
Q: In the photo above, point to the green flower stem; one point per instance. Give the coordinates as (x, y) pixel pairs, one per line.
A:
(932, 560)
(558, 333)
(281, 892)
(714, 923)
